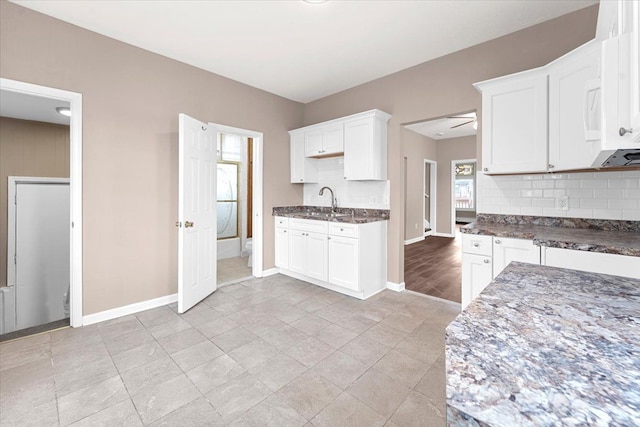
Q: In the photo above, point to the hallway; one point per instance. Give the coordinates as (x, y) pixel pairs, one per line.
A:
(434, 267)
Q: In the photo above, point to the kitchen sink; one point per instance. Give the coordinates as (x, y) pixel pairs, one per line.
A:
(325, 214)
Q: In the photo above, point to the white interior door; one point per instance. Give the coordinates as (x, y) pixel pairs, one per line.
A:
(42, 255)
(197, 235)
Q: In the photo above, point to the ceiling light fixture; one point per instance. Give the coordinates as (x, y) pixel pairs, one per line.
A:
(65, 111)
(439, 134)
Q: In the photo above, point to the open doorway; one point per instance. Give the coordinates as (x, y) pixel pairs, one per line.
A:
(430, 196)
(41, 222)
(239, 204)
(432, 262)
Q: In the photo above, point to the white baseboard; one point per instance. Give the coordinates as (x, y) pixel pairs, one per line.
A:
(398, 287)
(128, 309)
(442, 300)
(270, 272)
(443, 235)
(414, 240)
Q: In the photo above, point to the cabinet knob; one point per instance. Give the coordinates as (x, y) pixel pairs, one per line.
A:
(328, 237)
(345, 177)
(476, 244)
(623, 131)
(342, 229)
(551, 166)
(486, 261)
(497, 242)
(486, 169)
(301, 180)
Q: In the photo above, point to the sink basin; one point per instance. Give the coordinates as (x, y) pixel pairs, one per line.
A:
(325, 214)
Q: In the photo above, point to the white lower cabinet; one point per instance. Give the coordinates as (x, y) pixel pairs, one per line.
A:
(476, 275)
(344, 262)
(506, 250)
(484, 257)
(347, 258)
(594, 262)
(282, 247)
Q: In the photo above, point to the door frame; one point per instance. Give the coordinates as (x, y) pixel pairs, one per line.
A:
(257, 196)
(75, 183)
(432, 194)
(453, 190)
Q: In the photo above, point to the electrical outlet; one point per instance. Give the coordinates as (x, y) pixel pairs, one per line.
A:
(562, 203)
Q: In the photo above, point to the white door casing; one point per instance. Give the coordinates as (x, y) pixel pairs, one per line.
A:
(75, 140)
(197, 227)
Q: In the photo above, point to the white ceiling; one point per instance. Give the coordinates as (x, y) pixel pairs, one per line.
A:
(29, 107)
(446, 127)
(304, 51)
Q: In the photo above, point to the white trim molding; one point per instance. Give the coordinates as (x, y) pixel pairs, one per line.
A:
(444, 235)
(414, 240)
(126, 310)
(75, 176)
(270, 272)
(397, 287)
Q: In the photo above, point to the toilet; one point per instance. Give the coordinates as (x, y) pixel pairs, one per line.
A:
(249, 249)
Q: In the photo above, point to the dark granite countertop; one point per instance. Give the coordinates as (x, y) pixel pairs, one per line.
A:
(544, 346)
(613, 237)
(350, 215)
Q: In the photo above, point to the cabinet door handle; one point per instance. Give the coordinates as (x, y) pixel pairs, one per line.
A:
(328, 237)
(345, 177)
(301, 179)
(551, 166)
(476, 244)
(497, 242)
(486, 169)
(623, 131)
(486, 261)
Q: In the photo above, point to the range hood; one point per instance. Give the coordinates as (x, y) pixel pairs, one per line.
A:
(621, 158)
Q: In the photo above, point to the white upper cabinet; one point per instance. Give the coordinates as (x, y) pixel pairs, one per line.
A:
(514, 123)
(575, 109)
(303, 169)
(621, 77)
(365, 154)
(361, 138)
(324, 141)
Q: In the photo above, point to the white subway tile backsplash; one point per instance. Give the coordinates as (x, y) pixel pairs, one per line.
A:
(595, 183)
(352, 194)
(605, 195)
(593, 203)
(543, 184)
(624, 204)
(607, 213)
(631, 214)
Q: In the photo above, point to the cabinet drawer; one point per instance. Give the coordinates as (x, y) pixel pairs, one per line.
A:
(479, 245)
(309, 225)
(342, 229)
(282, 222)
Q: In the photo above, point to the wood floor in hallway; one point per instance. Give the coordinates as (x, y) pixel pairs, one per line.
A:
(434, 267)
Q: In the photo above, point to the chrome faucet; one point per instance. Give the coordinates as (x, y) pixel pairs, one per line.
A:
(334, 201)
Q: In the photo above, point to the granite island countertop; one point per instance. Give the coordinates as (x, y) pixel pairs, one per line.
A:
(606, 236)
(350, 215)
(545, 346)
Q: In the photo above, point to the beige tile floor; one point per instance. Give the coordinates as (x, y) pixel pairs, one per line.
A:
(264, 352)
(232, 269)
